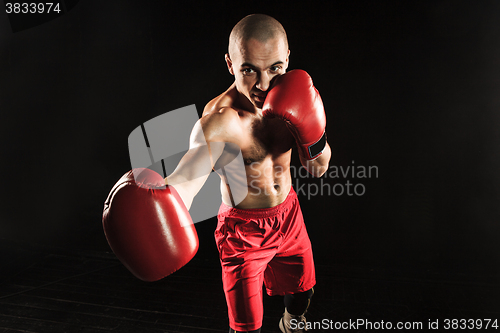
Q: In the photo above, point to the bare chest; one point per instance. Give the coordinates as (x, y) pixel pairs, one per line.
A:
(265, 138)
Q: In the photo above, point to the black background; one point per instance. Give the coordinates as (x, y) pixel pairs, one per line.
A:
(411, 87)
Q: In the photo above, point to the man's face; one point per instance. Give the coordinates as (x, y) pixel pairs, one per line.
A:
(254, 64)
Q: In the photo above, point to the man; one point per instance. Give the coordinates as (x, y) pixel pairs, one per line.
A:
(261, 238)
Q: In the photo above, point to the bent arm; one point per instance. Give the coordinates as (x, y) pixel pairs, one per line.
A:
(318, 166)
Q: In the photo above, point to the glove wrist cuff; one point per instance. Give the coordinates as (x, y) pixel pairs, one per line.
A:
(313, 150)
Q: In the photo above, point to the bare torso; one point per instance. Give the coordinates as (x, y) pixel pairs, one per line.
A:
(265, 145)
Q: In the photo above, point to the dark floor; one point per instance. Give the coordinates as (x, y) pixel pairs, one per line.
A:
(58, 291)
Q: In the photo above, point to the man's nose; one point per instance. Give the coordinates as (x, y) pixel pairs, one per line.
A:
(264, 81)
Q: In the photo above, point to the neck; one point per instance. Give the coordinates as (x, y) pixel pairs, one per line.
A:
(242, 102)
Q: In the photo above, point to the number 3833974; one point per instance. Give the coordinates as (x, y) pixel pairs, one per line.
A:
(32, 7)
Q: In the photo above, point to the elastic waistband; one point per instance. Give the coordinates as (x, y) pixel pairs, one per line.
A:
(259, 212)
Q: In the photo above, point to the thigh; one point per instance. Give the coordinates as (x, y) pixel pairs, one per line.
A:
(290, 274)
(243, 290)
(292, 268)
(245, 249)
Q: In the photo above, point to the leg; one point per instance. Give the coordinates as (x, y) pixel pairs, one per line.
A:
(243, 290)
(297, 303)
(244, 257)
(291, 272)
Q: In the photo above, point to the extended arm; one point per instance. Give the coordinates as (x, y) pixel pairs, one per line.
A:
(207, 142)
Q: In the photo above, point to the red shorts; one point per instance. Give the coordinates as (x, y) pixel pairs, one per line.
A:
(256, 246)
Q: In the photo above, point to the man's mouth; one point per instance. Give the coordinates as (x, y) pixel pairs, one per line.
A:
(259, 98)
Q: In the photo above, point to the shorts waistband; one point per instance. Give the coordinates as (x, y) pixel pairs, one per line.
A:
(259, 212)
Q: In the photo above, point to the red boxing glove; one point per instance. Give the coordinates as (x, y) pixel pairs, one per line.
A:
(294, 99)
(147, 225)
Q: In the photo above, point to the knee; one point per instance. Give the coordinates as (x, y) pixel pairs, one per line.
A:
(307, 294)
(298, 303)
(302, 296)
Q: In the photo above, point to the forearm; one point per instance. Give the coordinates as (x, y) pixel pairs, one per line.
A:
(318, 166)
(188, 189)
(191, 174)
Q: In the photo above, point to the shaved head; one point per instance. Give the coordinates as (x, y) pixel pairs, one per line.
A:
(258, 52)
(256, 26)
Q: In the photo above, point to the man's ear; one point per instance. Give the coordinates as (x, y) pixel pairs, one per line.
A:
(229, 64)
(287, 59)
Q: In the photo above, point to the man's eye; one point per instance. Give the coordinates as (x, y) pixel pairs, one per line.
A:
(247, 71)
(275, 68)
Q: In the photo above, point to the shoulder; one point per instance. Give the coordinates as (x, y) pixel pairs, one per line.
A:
(225, 100)
(220, 120)
(221, 125)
